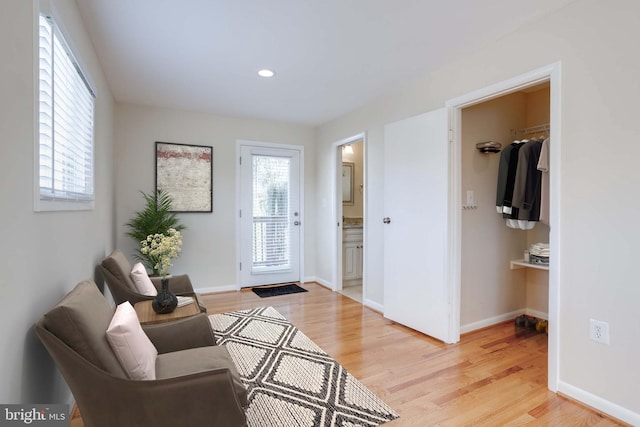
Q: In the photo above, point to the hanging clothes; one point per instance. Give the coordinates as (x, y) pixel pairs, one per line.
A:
(518, 195)
(543, 167)
(506, 177)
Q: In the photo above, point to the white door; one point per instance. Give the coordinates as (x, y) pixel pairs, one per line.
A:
(416, 293)
(270, 219)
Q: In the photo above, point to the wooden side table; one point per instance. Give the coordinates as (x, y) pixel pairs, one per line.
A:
(147, 316)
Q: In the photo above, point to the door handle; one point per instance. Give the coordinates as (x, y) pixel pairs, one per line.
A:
(386, 220)
(296, 222)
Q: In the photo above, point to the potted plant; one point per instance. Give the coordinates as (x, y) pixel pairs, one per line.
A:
(155, 218)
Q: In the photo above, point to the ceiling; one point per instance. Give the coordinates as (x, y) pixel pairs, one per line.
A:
(330, 56)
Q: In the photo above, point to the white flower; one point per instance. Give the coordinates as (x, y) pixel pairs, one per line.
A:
(161, 249)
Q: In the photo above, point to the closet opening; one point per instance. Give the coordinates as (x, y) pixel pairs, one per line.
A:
(480, 243)
(505, 218)
(505, 222)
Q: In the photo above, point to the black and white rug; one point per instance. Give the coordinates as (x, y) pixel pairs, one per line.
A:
(291, 381)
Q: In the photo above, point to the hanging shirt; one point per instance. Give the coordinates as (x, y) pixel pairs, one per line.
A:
(543, 167)
(518, 192)
(506, 176)
(526, 192)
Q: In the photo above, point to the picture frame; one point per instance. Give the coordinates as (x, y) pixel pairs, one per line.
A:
(185, 172)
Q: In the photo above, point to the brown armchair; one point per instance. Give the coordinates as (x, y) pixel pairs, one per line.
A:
(196, 382)
(116, 270)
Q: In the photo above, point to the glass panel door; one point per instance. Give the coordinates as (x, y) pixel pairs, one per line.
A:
(270, 216)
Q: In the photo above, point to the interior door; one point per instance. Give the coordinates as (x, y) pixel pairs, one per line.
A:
(416, 293)
(270, 219)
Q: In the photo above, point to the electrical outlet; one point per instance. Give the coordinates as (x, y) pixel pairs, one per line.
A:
(599, 331)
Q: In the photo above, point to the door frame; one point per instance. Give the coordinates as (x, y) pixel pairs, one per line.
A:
(552, 74)
(336, 211)
(268, 145)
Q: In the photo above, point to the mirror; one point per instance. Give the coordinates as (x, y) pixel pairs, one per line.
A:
(347, 183)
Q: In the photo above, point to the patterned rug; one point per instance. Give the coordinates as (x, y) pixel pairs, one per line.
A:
(291, 381)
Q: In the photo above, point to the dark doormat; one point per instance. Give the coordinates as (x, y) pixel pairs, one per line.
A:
(274, 291)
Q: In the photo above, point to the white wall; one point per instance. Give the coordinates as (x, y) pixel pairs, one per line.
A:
(44, 254)
(598, 171)
(489, 288)
(209, 250)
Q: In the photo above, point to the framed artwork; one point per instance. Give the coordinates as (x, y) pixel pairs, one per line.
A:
(186, 173)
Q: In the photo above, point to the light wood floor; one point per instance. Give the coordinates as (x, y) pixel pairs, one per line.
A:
(493, 377)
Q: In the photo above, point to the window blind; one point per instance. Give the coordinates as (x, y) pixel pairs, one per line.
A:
(271, 240)
(66, 111)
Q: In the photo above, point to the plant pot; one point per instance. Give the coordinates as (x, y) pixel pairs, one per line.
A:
(165, 301)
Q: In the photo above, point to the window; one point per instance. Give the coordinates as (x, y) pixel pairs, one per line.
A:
(271, 243)
(65, 142)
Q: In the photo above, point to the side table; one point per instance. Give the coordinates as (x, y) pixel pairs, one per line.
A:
(147, 316)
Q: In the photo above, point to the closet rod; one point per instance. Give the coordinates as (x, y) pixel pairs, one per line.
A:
(533, 129)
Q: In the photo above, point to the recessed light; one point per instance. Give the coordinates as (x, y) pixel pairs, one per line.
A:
(266, 73)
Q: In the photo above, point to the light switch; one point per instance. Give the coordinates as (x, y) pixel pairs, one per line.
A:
(470, 198)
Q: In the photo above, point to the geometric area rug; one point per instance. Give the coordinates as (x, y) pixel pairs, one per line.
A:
(290, 380)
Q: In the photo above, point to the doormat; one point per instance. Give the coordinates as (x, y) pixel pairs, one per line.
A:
(274, 291)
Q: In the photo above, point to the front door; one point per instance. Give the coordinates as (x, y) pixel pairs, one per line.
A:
(270, 219)
(416, 293)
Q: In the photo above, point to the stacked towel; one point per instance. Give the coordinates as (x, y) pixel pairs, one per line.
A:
(539, 253)
(540, 249)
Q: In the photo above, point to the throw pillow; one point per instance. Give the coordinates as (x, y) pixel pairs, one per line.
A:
(132, 346)
(140, 278)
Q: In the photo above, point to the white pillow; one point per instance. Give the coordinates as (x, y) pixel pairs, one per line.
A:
(144, 285)
(132, 346)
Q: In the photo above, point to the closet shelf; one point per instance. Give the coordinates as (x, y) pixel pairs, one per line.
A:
(532, 129)
(520, 263)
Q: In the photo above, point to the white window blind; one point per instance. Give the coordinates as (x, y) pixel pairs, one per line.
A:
(271, 240)
(66, 110)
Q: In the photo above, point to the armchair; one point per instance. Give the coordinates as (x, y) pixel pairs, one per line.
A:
(196, 382)
(117, 273)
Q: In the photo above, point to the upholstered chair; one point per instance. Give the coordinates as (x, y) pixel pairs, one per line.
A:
(196, 382)
(116, 270)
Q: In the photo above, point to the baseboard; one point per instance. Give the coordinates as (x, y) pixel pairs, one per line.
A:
(308, 279)
(536, 313)
(319, 281)
(490, 321)
(373, 305)
(228, 288)
(609, 408)
(216, 289)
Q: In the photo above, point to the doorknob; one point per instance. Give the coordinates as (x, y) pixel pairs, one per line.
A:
(386, 220)
(296, 222)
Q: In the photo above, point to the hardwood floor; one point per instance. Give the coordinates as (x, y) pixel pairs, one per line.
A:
(493, 377)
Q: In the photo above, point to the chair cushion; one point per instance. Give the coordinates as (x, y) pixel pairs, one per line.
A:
(80, 320)
(132, 347)
(119, 266)
(141, 280)
(193, 360)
